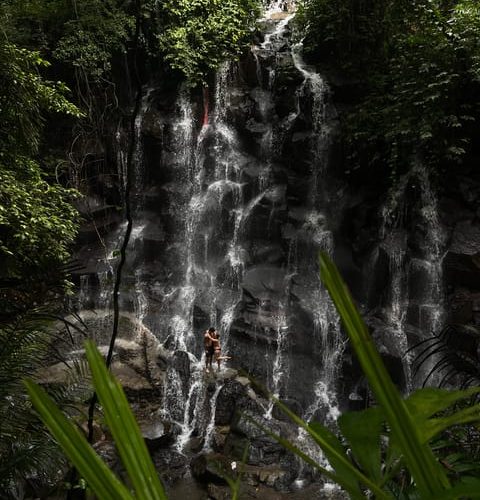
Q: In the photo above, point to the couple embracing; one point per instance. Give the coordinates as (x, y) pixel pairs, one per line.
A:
(211, 341)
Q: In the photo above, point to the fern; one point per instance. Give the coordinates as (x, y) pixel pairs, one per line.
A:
(26, 448)
(454, 351)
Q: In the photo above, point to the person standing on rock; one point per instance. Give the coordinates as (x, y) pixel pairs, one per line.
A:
(217, 348)
(209, 339)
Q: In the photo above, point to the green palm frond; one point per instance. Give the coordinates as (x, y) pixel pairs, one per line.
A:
(25, 447)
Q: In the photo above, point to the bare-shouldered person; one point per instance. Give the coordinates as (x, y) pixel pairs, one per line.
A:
(208, 342)
(217, 348)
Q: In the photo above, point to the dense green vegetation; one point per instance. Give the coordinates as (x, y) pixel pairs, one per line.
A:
(26, 449)
(37, 226)
(192, 36)
(37, 220)
(200, 34)
(416, 65)
(415, 68)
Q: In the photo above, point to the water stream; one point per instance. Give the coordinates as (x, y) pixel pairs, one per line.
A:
(416, 279)
(232, 236)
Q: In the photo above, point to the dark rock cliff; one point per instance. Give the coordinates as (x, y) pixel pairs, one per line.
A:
(228, 218)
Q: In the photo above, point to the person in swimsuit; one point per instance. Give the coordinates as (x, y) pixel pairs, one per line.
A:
(217, 348)
(208, 341)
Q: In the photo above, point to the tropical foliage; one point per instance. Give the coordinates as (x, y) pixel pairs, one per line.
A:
(27, 451)
(454, 350)
(198, 35)
(191, 36)
(37, 220)
(415, 65)
(37, 226)
(389, 451)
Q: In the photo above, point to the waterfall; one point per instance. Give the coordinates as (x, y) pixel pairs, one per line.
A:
(280, 363)
(138, 155)
(193, 404)
(233, 196)
(210, 280)
(216, 200)
(211, 423)
(220, 237)
(416, 279)
(99, 285)
(232, 199)
(326, 325)
(321, 403)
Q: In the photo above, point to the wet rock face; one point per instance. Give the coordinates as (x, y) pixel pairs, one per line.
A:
(417, 246)
(238, 417)
(462, 268)
(231, 395)
(228, 219)
(462, 262)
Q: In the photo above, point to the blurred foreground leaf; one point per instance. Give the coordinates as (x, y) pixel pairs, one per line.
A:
(124, 428)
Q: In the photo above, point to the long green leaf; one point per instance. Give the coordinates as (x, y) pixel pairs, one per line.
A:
(124, 428)
(99, 477)
(431, 480)
(434, 426)
(426, 402)
(467, 488)
(331, 451)
(342, 470)
(362, 429)
(308, 460)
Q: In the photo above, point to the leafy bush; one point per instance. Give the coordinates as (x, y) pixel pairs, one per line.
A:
(416, 68)
(37, 220)
(94, 34)
(26, 450)
(196, 36)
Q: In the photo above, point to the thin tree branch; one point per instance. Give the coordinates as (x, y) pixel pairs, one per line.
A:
(128, 215)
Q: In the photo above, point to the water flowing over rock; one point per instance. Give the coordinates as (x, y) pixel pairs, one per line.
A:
(230, 207)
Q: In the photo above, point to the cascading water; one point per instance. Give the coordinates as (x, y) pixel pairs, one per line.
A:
(218, 165)
(231, 202)
(280, 363)
(328, 345)
(416, 289)
(210, 280)
(100, 283)
(216, 214)
(219, 239)
(211, 424)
